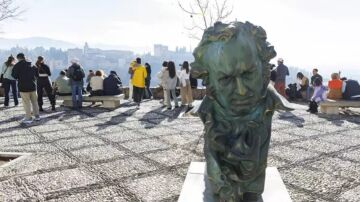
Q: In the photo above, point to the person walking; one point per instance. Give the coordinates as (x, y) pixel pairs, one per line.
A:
(26, 75)
(186, 93)
(170, 85)
(76, 75)
(281, 72)
(9, 81)
(44, 83)
(148, 94)
(138, 81)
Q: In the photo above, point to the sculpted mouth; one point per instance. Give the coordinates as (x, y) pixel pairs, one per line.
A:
(246, 101)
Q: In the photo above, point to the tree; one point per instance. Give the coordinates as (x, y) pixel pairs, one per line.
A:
(204, 13)
(9, 10)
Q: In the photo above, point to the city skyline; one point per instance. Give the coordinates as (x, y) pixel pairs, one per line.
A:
(305, 33)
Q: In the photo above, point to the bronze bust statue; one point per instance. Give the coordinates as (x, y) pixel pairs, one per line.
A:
(233, 61)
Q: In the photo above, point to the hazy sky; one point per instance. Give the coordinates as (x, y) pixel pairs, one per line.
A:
(306, 33)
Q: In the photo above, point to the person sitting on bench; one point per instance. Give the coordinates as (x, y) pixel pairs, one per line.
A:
(112, 84)
(62, 86)
(319, 95)
(97, 84)
(303, 83)
(350, 89)
(334, 85)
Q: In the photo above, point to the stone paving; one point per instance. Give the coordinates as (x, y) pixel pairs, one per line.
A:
(143, 155)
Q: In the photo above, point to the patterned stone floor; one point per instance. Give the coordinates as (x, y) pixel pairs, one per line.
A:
(143, 155)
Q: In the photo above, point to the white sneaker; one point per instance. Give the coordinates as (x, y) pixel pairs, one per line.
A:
(26, 121)
(37, 118)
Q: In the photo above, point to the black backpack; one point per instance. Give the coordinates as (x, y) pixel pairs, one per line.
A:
(78, 74)
(313, 107)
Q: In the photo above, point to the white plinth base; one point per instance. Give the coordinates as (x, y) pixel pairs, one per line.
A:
(194, 188)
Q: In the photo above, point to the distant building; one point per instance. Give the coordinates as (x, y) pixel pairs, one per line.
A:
(160, 50)
(74, 53)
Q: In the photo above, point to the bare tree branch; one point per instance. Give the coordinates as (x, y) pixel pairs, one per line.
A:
(8, 10)
(204, 13)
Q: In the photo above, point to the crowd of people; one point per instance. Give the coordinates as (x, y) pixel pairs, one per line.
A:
(313, 91)
(170, 80)
(32, 81)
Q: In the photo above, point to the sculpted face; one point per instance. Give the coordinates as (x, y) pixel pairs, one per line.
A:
(235, 73)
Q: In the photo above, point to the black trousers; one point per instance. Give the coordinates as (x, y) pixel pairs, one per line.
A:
(44, 83)
(148, 94)
(138, 94)
(97, 93)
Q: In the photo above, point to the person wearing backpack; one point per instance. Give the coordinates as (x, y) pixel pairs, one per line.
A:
(26, 75)
(76, 75)
(9, 81)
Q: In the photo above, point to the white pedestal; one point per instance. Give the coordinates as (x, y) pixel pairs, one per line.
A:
(194, 188)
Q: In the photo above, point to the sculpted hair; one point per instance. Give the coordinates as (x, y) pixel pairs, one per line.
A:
(226, 32)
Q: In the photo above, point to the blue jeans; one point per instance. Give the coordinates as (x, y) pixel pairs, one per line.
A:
(7, 84)
(76, 91)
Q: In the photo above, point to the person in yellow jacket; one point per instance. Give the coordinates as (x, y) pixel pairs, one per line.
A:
(138, 81)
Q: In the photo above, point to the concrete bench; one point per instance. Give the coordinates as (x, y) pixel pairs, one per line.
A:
(332, 106)
(110, 102)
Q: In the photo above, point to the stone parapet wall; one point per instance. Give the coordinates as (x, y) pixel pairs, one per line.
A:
(158, 94)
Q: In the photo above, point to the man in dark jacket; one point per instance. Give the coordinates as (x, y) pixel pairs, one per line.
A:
(76, 75)
(315, 76)
(26, 76)
(43, 82)
(112, 84)
(350, 89)
(281, 72)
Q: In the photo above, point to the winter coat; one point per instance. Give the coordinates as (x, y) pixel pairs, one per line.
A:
(70, 74)
(26, 76)
(112, 85)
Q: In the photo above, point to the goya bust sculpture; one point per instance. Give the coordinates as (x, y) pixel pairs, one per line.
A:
(233, 61)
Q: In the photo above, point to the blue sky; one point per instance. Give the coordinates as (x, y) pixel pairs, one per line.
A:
(306, 33)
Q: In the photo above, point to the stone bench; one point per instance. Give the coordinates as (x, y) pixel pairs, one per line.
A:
(110, 102)
(332, 106)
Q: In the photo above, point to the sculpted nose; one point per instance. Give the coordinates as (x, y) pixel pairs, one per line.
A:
(242, 90)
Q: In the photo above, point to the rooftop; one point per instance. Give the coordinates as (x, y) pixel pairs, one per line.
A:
(143, 155)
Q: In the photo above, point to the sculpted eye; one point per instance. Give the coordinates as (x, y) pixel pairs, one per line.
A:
(226, 80)
(223, 38)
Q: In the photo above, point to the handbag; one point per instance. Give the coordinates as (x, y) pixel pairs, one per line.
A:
(2, 75)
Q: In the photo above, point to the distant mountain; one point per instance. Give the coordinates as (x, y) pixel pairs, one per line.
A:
(34, 42)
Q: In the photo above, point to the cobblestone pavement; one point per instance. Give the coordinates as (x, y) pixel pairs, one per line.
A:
(143, 155)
